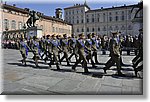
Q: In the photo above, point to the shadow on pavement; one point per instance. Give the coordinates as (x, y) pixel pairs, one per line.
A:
(33, 66)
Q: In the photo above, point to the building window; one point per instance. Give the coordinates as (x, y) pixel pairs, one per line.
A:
(53, 29)
(77, 21)
(77, 30)
(103, 17)
(87, 20)
(98, 29)
(20, 25)
(87, 29)
(73, 12)
(98, 19)
(92, 19)
(110, 19)
(81, 11)
(93, 29)
(110, 28)
(82, 30)
(13, 24)
(82, 21)
(122, 17)
(116, 13)
(77, 12)
(116, 18)
(66, 13)
(6, 23)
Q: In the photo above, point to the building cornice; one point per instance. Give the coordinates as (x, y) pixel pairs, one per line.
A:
(77, 6)
(103, 9)
(25, 11)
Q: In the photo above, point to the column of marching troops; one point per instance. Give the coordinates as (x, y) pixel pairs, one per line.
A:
(50, 48)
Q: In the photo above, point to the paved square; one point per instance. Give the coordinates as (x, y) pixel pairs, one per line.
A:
(19, 79)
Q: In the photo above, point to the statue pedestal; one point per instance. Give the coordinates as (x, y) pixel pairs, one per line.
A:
(34, 31)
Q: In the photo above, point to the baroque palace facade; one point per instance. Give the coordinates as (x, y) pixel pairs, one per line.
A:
(13, 22)
(102, 21)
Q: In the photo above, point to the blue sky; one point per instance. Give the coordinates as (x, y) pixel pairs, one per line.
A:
(48, 6)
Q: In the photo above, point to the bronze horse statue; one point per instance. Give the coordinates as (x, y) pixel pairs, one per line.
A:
(33, 17)
(139, 6)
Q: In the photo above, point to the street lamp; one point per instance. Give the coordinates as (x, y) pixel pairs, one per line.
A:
(24, 31)
(6, 33)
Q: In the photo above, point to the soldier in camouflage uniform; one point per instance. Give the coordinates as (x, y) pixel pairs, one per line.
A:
(95, 46)
(64, 45)
(72, 45)
(36, 50)
(114, 53)
(55, 46)
(24, 48)
(88, 44)
(81, 51)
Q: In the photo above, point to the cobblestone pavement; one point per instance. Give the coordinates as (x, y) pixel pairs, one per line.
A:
(19, 79)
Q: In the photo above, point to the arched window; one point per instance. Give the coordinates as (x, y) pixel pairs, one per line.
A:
(13, 24)
(6, 24)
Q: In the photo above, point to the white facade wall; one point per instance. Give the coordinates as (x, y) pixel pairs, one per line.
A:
(102, 21)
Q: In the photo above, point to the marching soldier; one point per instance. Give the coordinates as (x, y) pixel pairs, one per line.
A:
(36, 50)
(95, 46)
(114, 54)
(72, 45)
(81, 48)
(88, 44)
(48, 49)
(55, 50)
(24, 48)
(64, 45)
(43, 47)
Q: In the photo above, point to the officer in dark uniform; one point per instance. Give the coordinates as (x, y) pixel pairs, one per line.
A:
(81, 51)
(95, 46)
(88, 51)
(64, 45)
(24, 48)
(72, 45)
(138, 60)
(114, 54)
